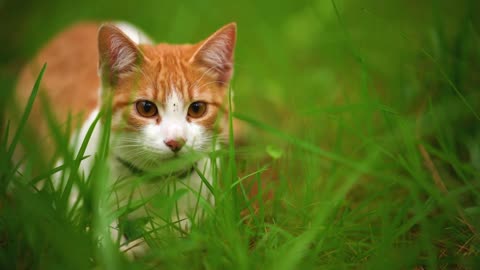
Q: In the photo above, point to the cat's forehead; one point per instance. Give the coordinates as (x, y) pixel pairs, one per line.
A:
(167, 72)
(167, 53)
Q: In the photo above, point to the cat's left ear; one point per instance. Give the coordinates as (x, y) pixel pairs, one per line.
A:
(215, 54)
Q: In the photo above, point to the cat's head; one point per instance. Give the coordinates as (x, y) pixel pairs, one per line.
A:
(168, 100)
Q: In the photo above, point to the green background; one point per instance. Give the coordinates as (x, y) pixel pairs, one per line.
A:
(359, 110)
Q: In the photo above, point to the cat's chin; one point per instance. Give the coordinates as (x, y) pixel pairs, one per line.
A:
(152, 161)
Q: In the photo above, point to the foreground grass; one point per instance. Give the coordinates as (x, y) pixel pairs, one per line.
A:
(374, 168)
(388, 209)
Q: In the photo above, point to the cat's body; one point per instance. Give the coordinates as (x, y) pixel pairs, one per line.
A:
(168, 101)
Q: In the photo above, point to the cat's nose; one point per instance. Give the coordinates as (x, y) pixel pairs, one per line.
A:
(175, 144)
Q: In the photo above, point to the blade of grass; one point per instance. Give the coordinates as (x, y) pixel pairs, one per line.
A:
(307, 146)
(26, 114)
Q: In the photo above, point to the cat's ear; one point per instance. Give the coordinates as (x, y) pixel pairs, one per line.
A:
(118, 54)
(215, 54)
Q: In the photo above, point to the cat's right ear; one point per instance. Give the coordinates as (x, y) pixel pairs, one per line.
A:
(215, 54)
(118, 55)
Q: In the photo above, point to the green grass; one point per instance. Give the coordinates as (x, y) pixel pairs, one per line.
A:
(362, 119)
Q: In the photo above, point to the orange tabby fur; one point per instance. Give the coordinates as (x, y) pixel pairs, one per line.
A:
(71, 80)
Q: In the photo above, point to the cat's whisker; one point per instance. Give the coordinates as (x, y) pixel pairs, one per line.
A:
(211, 82)
(201, 77)
(134, 152)
(127, 145)
(126, 148)
(150, 162)
(150, 80)
(127, 139)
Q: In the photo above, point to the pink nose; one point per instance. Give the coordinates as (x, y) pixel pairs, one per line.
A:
(175, 145)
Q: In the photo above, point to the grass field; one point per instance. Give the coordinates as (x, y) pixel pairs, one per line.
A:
(362, 139)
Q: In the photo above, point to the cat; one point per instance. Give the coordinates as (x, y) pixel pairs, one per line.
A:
(168, 101)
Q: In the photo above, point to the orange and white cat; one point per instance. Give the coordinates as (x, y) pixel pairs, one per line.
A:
(167, 100)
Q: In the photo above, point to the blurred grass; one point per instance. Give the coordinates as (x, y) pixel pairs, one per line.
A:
(359, 110)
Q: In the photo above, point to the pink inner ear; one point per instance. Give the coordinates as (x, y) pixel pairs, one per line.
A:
(122, 55)
(118, 54)
(216, 53)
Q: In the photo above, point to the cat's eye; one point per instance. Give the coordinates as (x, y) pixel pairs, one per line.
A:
(197, 109)
(146, 108)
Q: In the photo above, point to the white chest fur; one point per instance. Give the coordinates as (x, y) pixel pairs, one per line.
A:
(188, 206)
(149, 140)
